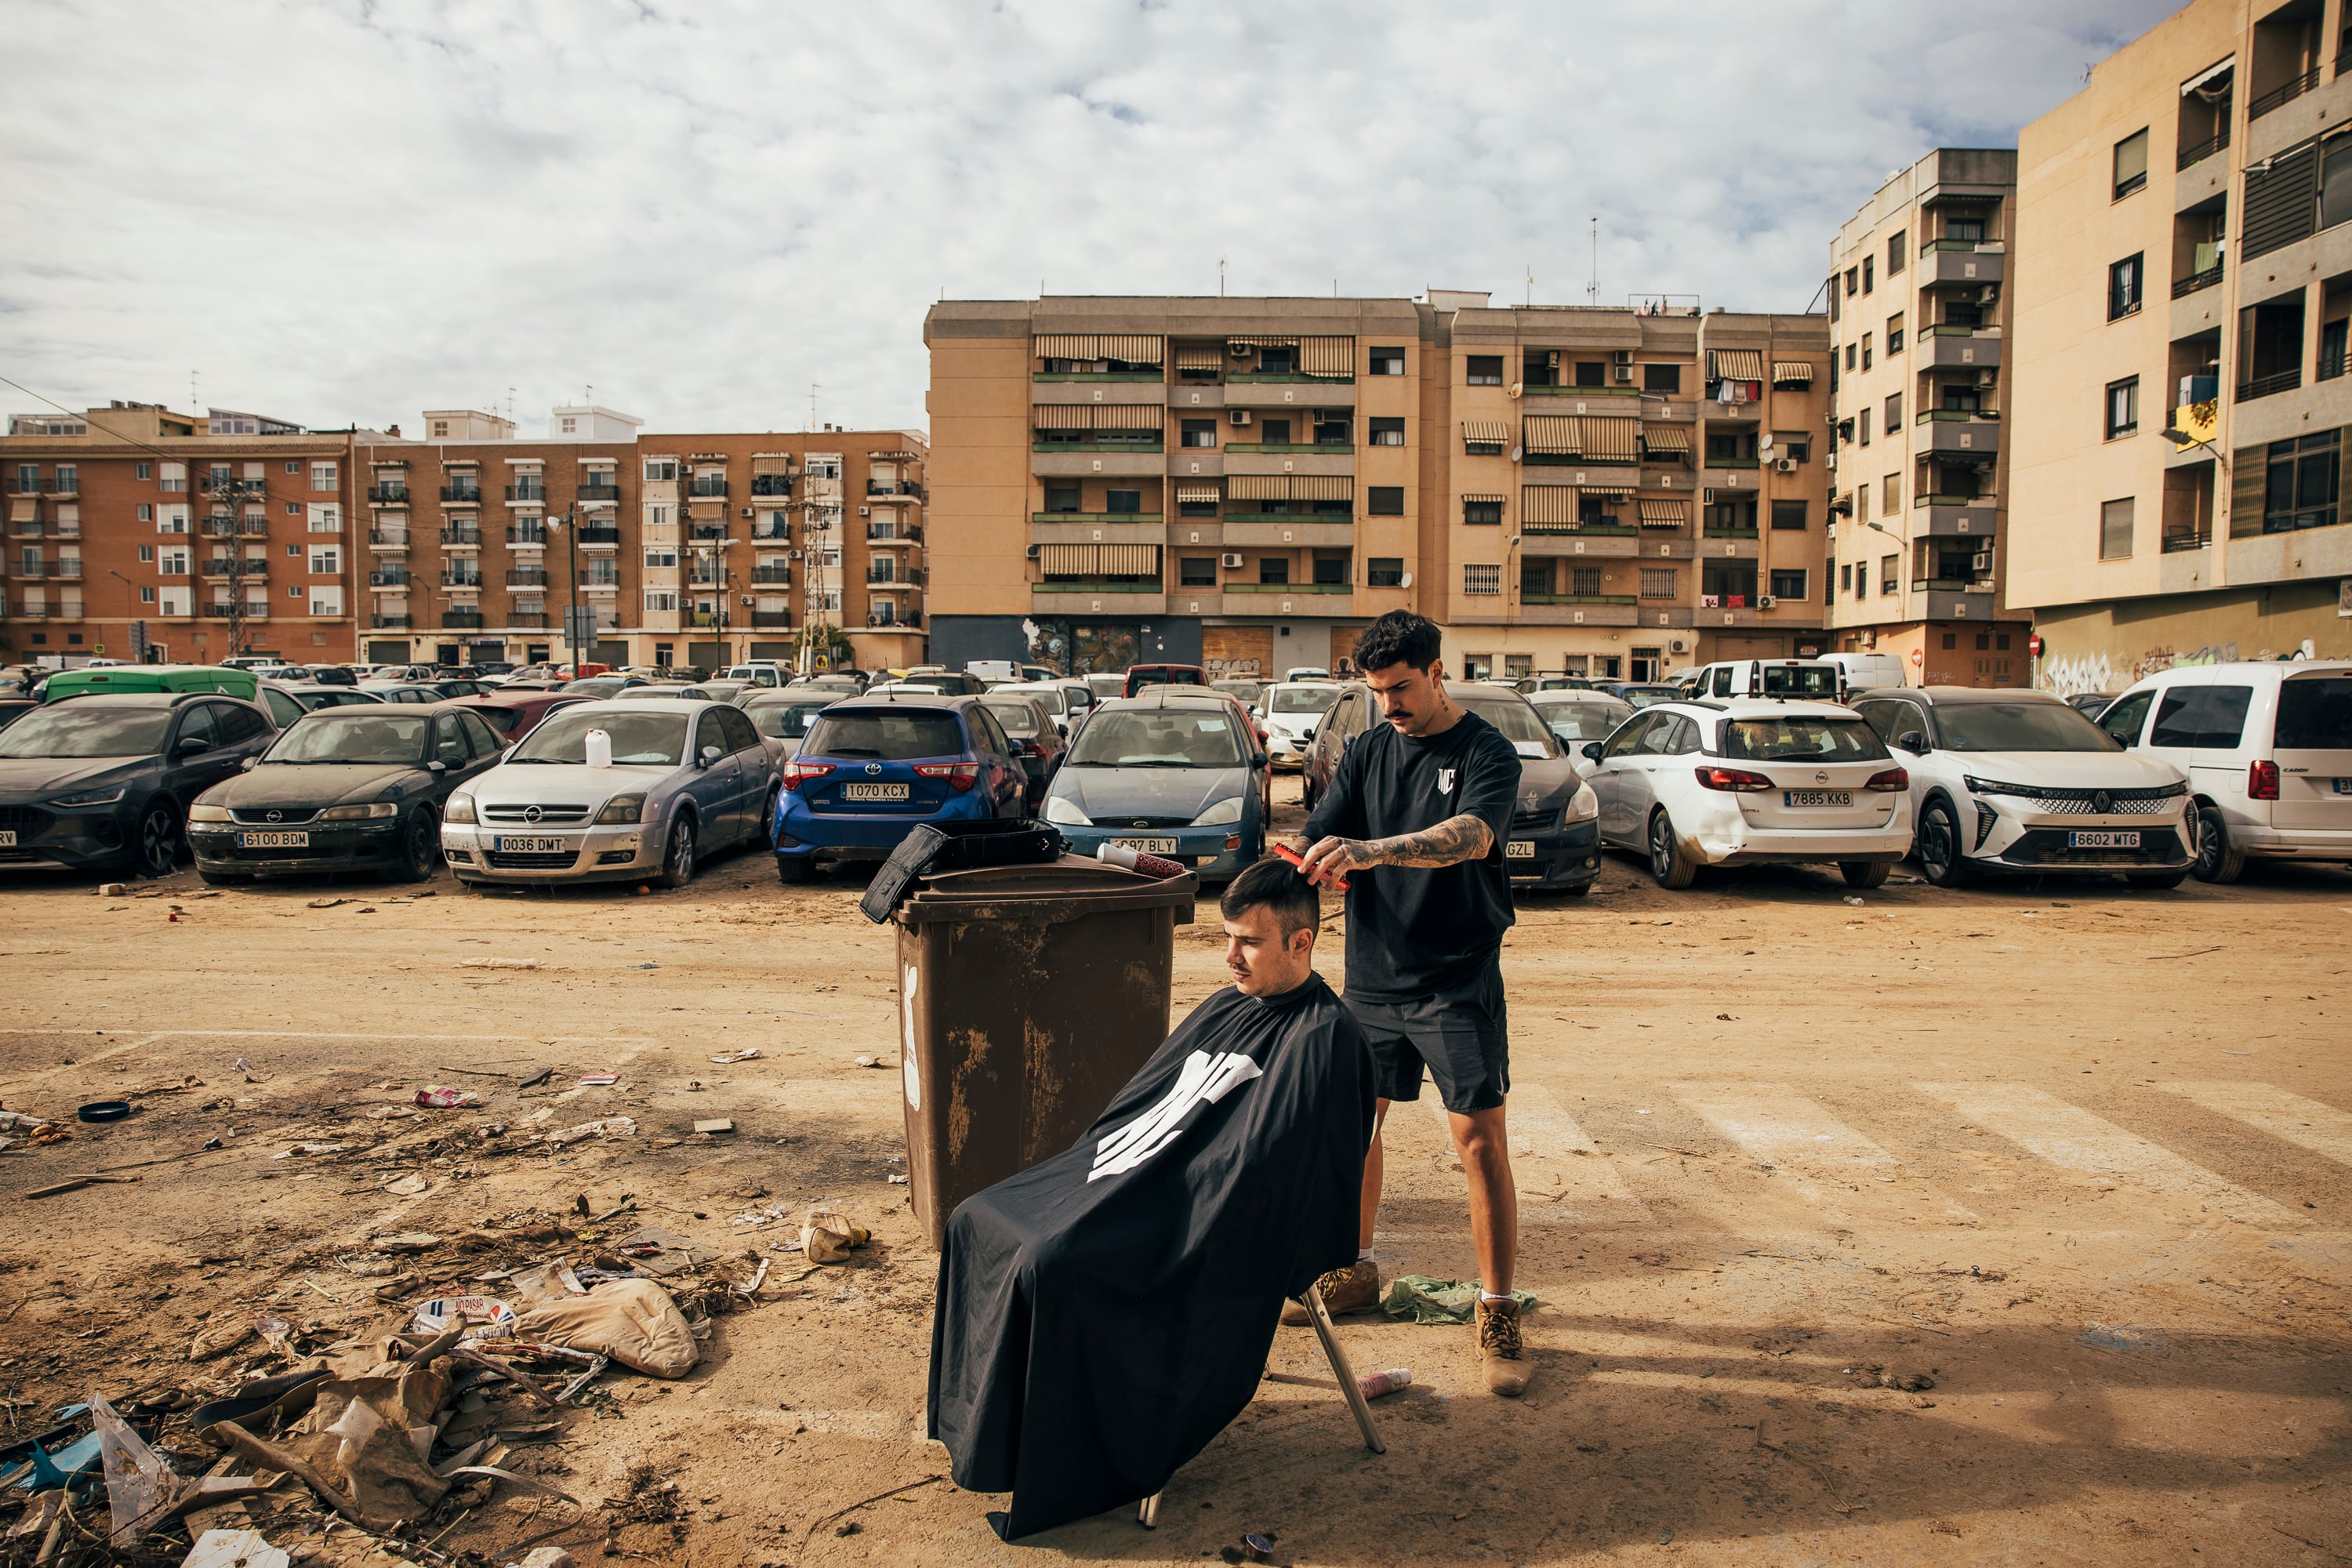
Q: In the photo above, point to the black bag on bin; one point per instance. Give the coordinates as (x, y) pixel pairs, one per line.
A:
(956, 847)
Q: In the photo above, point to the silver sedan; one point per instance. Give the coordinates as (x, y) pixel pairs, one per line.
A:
(628, 789)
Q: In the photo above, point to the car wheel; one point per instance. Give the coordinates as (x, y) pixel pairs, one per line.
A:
(158, 850)
(1941, 859)
(1863, 873)
(420, 849)
(764, 833)
(1672, 867)
(2218, 860)
(2156, 882)
(792, 870)
(677, 859)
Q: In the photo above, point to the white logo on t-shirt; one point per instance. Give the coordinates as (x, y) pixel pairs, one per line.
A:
(1445, 781)
(1203, 1081)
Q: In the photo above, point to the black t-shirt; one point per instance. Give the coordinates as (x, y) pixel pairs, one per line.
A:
(1416, 931)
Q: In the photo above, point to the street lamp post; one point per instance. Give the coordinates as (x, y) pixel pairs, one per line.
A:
(568, 523)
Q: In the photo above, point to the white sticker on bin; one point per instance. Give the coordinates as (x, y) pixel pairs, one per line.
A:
(914, 1078)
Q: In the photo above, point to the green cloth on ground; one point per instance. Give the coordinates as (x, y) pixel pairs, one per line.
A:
(1428, 1301)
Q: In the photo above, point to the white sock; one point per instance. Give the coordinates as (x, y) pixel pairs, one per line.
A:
(1487, 1295)
(1363, 1254)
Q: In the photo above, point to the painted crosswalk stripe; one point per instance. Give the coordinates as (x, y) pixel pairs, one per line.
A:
(2322, 1129)
(1779, 1125)
(2075, 1139)
(1551, 1153)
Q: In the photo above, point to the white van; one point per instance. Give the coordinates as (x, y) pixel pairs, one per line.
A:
(2268, 752)
(1866, 671)
(1810, 679)
(993, 670)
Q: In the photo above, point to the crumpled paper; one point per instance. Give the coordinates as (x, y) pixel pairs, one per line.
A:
(1428, 1301)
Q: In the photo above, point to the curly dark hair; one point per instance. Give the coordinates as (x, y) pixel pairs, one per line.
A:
(1398, 638)
(1274, 883)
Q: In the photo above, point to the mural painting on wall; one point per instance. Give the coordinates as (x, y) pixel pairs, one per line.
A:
(1235, 668)
(2097, 672)
(1082, 648)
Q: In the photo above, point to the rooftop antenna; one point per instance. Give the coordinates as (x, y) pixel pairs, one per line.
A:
(812, 424)
(1592, 289)
(195, 404)
(1531, 283)
(1220, 277)
(510, 392)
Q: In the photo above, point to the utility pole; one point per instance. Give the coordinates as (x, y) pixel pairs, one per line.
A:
(568, 523)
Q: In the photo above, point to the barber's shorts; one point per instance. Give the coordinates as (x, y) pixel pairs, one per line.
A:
(1461, 1036)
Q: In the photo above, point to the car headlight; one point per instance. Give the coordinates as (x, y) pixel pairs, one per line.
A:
(355, 813)
(1062, 809)
(200, 812)
(1582, 806)
(1217, 815)
(92, 797)
(1994, 786)
(460, 809)
(630, 807)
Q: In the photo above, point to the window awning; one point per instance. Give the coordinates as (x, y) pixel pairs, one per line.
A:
(1485, 433)
(1665, 437)
(1199, 359)
(1792, 372)
(1609, 487)
(1546, 503)
(1134, 349)
(2208, 77)
(1266, 343)
(1610, 438)
(1735, 365)
(1258, 487)
(1197, 495)
(775, 465)
(1326, 356)
(1129, 417)
(1322, 487)
(24, 509)
(1100, 560)
(1062, 415)
(1551, 434)
(1484, 500)
(1664, 513)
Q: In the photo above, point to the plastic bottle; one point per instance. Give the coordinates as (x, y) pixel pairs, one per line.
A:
(1389, 1382)
(1135, 860)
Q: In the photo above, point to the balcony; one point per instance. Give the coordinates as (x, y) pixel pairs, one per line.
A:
(781, 576)
(1962, 261)
(2178, 539)
(904, 618)
(589, 490)
(525, 538)
(897, 492)
(710, 533)
(462, 538)
(900, 533)
(221, 566)
(772, 531)
(1950, 606)
(527, 577)
(1138, 448)
(1288, 588)
(1957, 432)
(469, 581)
(1330, 448)
(891, 584)
(599, 583)
(1578, 599)
(1949, 345)
(2266, 385)
(462, 620)
(388, 579)
(527, 618)
(388, 623)
(462, 495)
(1102, 375)
(2184, 287)
(29, 567)
(2286, 92)
(28, 528)
(250, 611)
(1712, 530)
(770, 486)
(387, 539)
(2197, 152)
(764, 620)
(535, 491)
(1585, 529)
(708, 486)
(388, 495)
(594, 535)
(26, 611)
(236, 527)
(65, 485)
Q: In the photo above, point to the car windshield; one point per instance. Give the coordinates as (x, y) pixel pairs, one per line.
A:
(639, 740)
(1818, 682)
(594, 685)
(1642, 696)
(1247, 690)
(2314, 714)
(1583, 721)
(886, 735)
(1157, 738)
(2018, 727)
(71, 730)
(1801, 738)
(1049, 698)
(784, 721)
(1514, 719)
(1020, 719)
(1303, 699)
(369, 736)
(502, 719)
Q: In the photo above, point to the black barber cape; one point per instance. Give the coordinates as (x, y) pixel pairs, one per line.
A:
(1102, 1315)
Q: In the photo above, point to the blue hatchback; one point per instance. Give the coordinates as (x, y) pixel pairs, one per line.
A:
(871, 768)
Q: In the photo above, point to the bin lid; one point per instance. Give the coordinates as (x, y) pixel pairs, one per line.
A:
(1068, 889)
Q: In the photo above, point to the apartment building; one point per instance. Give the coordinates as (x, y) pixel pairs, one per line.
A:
(1247, 482)
(2212, 153)
(699, 549)
(1918, 319)
(134, 531)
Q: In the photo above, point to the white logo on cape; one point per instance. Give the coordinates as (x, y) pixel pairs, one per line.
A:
(1204, 1080)
(1445, 781)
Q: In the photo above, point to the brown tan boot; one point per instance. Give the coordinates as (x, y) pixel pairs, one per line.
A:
(1355, 1289)
(1500, 1355)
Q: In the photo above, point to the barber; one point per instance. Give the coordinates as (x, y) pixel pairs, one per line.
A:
(1415, 821)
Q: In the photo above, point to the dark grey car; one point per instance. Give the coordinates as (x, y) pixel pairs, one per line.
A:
(104, 782)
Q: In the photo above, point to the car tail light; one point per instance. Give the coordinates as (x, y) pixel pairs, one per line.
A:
(1890, 781)
(2261, 781)
(961, 776)
(797, 773)
(1732, 779)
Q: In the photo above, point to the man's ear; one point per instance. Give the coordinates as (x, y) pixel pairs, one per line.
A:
(1306, 950)
(1437, 671)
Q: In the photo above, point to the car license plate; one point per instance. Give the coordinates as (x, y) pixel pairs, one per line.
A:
(1817, 797)
(2103, 841)
(2344, 786)
(1519, 849)
(8, 838)
(508, 843)
(1146, 846)
(876, 790)
(273, 840)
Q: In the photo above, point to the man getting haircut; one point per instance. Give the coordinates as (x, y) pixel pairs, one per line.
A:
(1103, 1315)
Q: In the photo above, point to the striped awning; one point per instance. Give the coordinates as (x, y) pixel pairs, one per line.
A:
(1129, 417)
(1484, 500)
(1609, 487)
(1062, 417)
(1199, 359)
(24, 509)
(1291, 486)
(1136, 350)
(1326, 356)
(1550, 433)
(1546, 503)
(1610, 438)
(1665, 438)
(1197, 495)
(1100, 560)
(1664, 513)
(1735, 365)
(1485, 433)
(1258, 487)
(1266, 343)
(772, 462)
(1792, 372)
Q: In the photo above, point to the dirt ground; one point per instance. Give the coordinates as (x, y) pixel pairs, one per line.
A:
(2069, 1159)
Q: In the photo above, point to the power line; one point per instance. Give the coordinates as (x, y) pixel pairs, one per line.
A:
(85, 415)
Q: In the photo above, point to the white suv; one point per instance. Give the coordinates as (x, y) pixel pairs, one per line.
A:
(2267, 749)
(1290, 709)
(2019, 781)
(1750, 782)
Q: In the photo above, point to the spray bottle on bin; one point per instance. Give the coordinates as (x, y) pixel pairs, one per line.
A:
(1137, 860)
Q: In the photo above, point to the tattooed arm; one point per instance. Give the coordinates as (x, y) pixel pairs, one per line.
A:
(1451, 842)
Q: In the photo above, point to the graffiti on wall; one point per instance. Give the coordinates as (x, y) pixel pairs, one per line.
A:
(2098, 672)
(1235, 668)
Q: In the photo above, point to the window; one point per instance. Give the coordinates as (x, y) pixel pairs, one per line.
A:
(293, 590)
(1787, 514)
(1869, 273)
(1862, 423)
(1061, 498)
(2131, 163)
(326, 518)
(2123, 408)
(1274, 569)
(1731, 583)
(1894, 411)
(1849, 352)
(1485, 370)
(1585, 581)
(1896, 259)
(1845, 577)
(663, 555)
(144, 470)
(1480, 513)
(2299, 491)
(1661, 378)
(660, 470)
(1730, 445)
(2124, 287)
(2116, 529)
(293, 509)
(1890, 495)
(1388, 362)
(1196, 433)
(661, 598)
(1385, 501)
(295, 552)
(1387, 432)
(1789, 585)
(1887, 581)
(146, 594)
(1195, 507)
(1658, 581)
(1852, 282)
(1861, 503)
(326, 562)
(2212, 717)
(172, 477)
(1591, 373)
(1894, 333)
(322, 476)
(1518, 663)
(1833, 301)
(326, 598)
(1196, 570)
(173, 563)
(146, 512)
(1330, 569)
(1485, 580)
(1865, 351)
(1735, 516)
(1384, 572)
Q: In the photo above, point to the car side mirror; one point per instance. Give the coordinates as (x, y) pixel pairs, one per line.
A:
(1257, 759)
(710, 756)
(192, 744)
(1913, 741)
(437, 766)
(1592, 749)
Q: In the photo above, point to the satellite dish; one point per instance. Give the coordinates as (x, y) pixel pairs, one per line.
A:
(1514, 453)
(1405, 581)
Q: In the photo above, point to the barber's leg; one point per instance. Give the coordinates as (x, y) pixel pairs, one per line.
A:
(1374, 1161)
(1478, 1137)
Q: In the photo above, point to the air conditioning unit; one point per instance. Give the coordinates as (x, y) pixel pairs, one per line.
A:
(1032, 552)
(747, 601)
(1624, 374)
(747, 512)
(1988, 378)
(864, 511)
(1980, 561)
(1237, 351)
(1233, 561)
(1239, 416)
(798, 553)
(1618, 356)
(1784, 465)
(1765, 601)
(1989, 293)
(1679, 645)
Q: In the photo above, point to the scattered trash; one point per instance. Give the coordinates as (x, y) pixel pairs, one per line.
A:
(712, 1129)
(547, 1557)
(661, 1252)
(408, 1186)
(212, 1142)
(406, 1241)
(219, 1338)
(1258, 1548)
(599, 1079)
(113, 890)
(1389, 1382)
(483, 1317)
(872, 1062)
(897, 1180)
(310, 1149)
(433, 1097)
(368, 1265)
(326, 903)
(1854, 900)
(1428, 1301)
(635, 1322)
(618, 1126)
(104, 1111)
(827, 1237)
(535, 1079)
(234, 1549)
(729, 1058)
(645, 966)
(497, 964)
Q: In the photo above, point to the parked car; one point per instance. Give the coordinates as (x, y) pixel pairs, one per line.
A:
(872, 768)
(227, 679)
(1052, 696)
(2266, 749)
(760, 672)
(100, 781)
(2090, 704)
(1752, 781)
(1249, 691)
(334, 675)
(1139, 676)
(1106, 685)
(2014, 781)
(1639, 693)
(514, 714)
(685, 780)
(782, 718)
(349, 789)
(720, 691)
(1300, 672)
(952, 682)
(1811, 678)
(1578, 717)
(596, 685)
(1170, 772)
(1554, 843)
(1530, 685)
(287, 702)
(14, 708)
(1033, 732)
(1866, 671)
(1289, 711)
(406, 691)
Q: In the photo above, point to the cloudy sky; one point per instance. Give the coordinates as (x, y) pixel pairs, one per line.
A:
(339, 211)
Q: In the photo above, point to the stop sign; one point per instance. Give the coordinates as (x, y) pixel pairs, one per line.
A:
(1917, 656)
(2033, 645)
